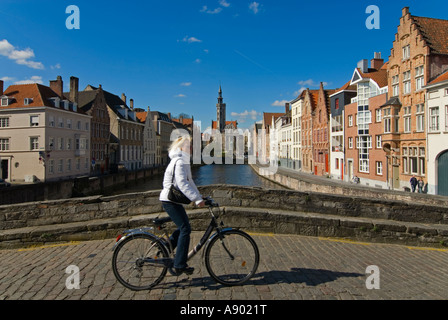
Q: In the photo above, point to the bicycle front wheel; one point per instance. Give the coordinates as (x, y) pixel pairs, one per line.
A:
(140, 262)
(232, 257)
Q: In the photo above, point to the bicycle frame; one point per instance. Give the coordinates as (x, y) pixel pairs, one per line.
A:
(206, 238)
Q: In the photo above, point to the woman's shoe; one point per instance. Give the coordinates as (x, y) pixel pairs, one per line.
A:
(186, 270)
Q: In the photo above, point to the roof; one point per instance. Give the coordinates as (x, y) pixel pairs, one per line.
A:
(229, 125)
(441, 78)
(394, 101)
(267, 116)
(40, 96)
(114, 102)
(435, 33)
(379, 76)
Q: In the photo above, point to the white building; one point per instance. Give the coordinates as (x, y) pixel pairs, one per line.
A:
(437, 135)
(296, 121)
(42, 136)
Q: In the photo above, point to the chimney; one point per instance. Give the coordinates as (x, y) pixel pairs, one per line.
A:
(376, 63)
(131, 102)
(123, 97)
(74, 89)
(57, 86)
(286, 107)
(1, 87)
(363, 65)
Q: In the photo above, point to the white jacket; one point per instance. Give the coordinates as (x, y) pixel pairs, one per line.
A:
(182, 177)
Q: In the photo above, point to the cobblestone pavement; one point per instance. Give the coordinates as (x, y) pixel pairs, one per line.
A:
(291, 268)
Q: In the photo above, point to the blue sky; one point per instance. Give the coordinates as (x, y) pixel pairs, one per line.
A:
(173, 55)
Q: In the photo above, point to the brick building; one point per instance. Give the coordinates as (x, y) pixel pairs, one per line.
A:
(320, 130)
(309, 104)
(419, 55)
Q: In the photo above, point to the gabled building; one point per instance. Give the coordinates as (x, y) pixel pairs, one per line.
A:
(419, 54)
(364, 154)
(338, 101)
(163, 126)
(320, 131)
(43, 136)
(308, 108)
(93, 103)
(126, 132)
(296, 122)
(149, 138)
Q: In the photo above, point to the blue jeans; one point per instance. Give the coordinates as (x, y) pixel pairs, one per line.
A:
(181, 236)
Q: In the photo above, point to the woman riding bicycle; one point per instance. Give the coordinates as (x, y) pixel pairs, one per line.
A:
(178, 173)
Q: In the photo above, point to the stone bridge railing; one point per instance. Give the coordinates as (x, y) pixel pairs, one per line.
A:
(253, 209)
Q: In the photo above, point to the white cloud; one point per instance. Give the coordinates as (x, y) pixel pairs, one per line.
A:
(180, 95)
(278, 103)
(311, 83)
(224, 3)
(191, 39)
(254, 7)
(56, 66)
(33, 79)
(243, 116)
(197, 61)
(186, 84)
(7, 79)
(206, 10)
(21, 57)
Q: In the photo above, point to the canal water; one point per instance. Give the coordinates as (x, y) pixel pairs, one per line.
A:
(241, 175)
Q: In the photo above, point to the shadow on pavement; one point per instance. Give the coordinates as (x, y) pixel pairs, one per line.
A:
(310, 277)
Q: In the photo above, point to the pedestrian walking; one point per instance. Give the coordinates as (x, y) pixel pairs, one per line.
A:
(421, 184)
(413, 183)
(178, 174)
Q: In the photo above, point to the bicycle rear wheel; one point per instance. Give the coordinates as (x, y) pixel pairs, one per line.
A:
(232, 257)
(140, 262)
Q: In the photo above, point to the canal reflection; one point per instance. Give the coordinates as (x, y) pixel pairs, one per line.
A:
(241, 175)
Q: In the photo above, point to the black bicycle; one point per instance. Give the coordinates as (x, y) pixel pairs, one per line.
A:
(141, 259)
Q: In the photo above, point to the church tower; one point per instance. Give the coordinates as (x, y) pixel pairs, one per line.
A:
(221, 112)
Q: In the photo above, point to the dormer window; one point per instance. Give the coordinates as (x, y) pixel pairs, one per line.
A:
(27, 101)
(5, 101)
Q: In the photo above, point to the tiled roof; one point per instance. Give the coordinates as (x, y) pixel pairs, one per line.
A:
(228, 123)
(440, 78)
(379, 76)
(40, 96)
(435, 33)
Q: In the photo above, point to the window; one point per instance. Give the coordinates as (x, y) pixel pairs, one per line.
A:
(420, 118)
(34, 143)
(34, 121)
(407, 82)
(60, 165)
(5, 102)
(4, 122)
(350, 121)
(61, 123)
(419, 78)
(379, 143)
(4, 144)
(364, 143)
(378, 115)
(405, 160)
(422, 161)
(350, 143)
(69, 144)
(51, 166)
(387, 121)
(434, 119)
(446, 118)
(337, 103)
(51, 122)
(406, 52)
(60, 143)
(69, 123)
(395, 86)
(69, 164)
(379, 168)
(27, 101)
(407, 119)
